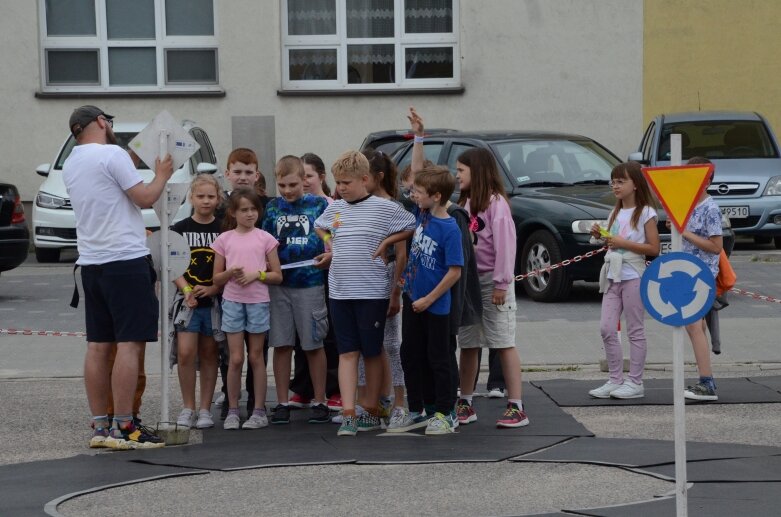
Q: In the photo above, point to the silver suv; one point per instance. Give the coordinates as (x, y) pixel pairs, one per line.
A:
(745, 153)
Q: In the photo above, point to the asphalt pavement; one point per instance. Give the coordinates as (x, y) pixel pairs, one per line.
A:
(44, 413)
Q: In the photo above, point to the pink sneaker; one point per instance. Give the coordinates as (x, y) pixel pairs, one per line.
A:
(513, 417)
(465, 412)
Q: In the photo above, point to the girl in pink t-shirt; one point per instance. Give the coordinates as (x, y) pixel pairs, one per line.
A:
(245, 261)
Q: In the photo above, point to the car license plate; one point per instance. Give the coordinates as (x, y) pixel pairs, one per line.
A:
(665, 248)
(735, 212)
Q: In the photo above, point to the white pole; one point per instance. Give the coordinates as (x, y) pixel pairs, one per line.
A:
(164, 286)
(678, 399)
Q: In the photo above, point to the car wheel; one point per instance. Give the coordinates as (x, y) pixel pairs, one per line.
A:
(777, 242)
(44, 255)
(762, 239)
(540, 251)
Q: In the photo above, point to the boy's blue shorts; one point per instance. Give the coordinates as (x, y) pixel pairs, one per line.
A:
(359, 325)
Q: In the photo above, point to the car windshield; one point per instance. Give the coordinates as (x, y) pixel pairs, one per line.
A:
(123, 139)
(727, 139)
(535, 163)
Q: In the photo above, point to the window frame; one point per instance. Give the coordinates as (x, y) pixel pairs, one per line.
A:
(101, 44)
(339, 41)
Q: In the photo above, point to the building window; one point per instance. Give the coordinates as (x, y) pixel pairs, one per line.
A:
(94, 46)
(369, 44)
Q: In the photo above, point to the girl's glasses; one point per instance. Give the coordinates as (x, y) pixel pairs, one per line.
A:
(617, 183)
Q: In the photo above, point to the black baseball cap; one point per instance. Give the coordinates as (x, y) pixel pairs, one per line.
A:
(83, 116)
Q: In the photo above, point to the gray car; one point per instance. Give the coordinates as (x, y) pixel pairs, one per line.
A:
(745, 153)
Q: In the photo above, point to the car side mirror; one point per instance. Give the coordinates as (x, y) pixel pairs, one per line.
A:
(43, 169)
(637, 157)
(206, 168)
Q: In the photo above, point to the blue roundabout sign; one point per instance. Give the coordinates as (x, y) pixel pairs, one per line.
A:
(677, 289)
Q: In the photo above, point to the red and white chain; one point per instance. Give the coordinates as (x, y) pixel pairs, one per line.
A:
(563, 263)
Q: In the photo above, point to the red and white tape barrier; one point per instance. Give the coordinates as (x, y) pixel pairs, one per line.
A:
(563, 263)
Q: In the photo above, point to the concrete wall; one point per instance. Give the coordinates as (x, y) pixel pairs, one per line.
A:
(712, 55)
(565, 65)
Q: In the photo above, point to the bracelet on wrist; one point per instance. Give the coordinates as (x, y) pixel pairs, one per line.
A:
(418, 139)
(187, 289)
(262, 276)
(326, 237)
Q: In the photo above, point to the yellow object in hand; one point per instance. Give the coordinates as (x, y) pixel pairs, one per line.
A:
(604, 233)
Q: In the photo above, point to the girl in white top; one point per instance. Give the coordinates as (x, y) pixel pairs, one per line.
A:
(632, 236)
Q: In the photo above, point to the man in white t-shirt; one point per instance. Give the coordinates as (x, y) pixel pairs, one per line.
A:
(121, 308)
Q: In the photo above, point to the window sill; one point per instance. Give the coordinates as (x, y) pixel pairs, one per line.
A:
(396, 91)
(119, 94)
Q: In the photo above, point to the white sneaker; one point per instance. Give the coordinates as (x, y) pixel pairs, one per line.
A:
(205, 420)
(604, 391)
(628, 390)
(256, 421)
(495, 393)
(186, 417)
(231, 422)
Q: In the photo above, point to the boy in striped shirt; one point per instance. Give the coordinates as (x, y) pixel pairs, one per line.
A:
(355, 229)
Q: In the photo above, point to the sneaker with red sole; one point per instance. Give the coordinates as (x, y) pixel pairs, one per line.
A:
(334, 402)
(513, 417)
(299, 402)
(465, 413)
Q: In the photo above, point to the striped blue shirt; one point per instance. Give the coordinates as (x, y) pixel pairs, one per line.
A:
(358, 228)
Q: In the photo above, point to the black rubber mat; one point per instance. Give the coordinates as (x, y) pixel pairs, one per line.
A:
(269, 447)
(301, 443)
(774, 383)
(27, 487)
(742, 470)
(455, 448)
(705, 500)
(642, 453)
(572, 393)
(545, 417)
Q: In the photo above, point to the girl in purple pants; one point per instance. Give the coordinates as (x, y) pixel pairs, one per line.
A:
(631, 236)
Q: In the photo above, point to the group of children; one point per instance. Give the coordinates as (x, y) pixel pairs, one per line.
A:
(631, 236)
(403, 289)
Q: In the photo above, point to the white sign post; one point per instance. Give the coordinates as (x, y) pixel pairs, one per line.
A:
(679, 404)
(678, 187)
(164, 135)
(165, 282)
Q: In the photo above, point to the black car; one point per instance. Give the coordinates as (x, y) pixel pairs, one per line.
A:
(14, 236)
(389, 141)
(558, 188)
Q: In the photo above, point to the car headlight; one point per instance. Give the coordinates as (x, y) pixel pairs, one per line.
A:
(45, 200)
(773, 187)
(584, 226)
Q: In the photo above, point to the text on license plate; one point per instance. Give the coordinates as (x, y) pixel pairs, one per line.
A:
(735, 212)
(665, 247)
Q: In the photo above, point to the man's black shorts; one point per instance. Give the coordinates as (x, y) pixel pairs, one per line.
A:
(120, 301)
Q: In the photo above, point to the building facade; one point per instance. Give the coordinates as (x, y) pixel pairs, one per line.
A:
(294, 76)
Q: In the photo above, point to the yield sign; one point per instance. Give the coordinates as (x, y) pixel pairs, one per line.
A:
(679, 188)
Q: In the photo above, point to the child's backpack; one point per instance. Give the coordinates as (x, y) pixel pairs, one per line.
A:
(726, 278)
